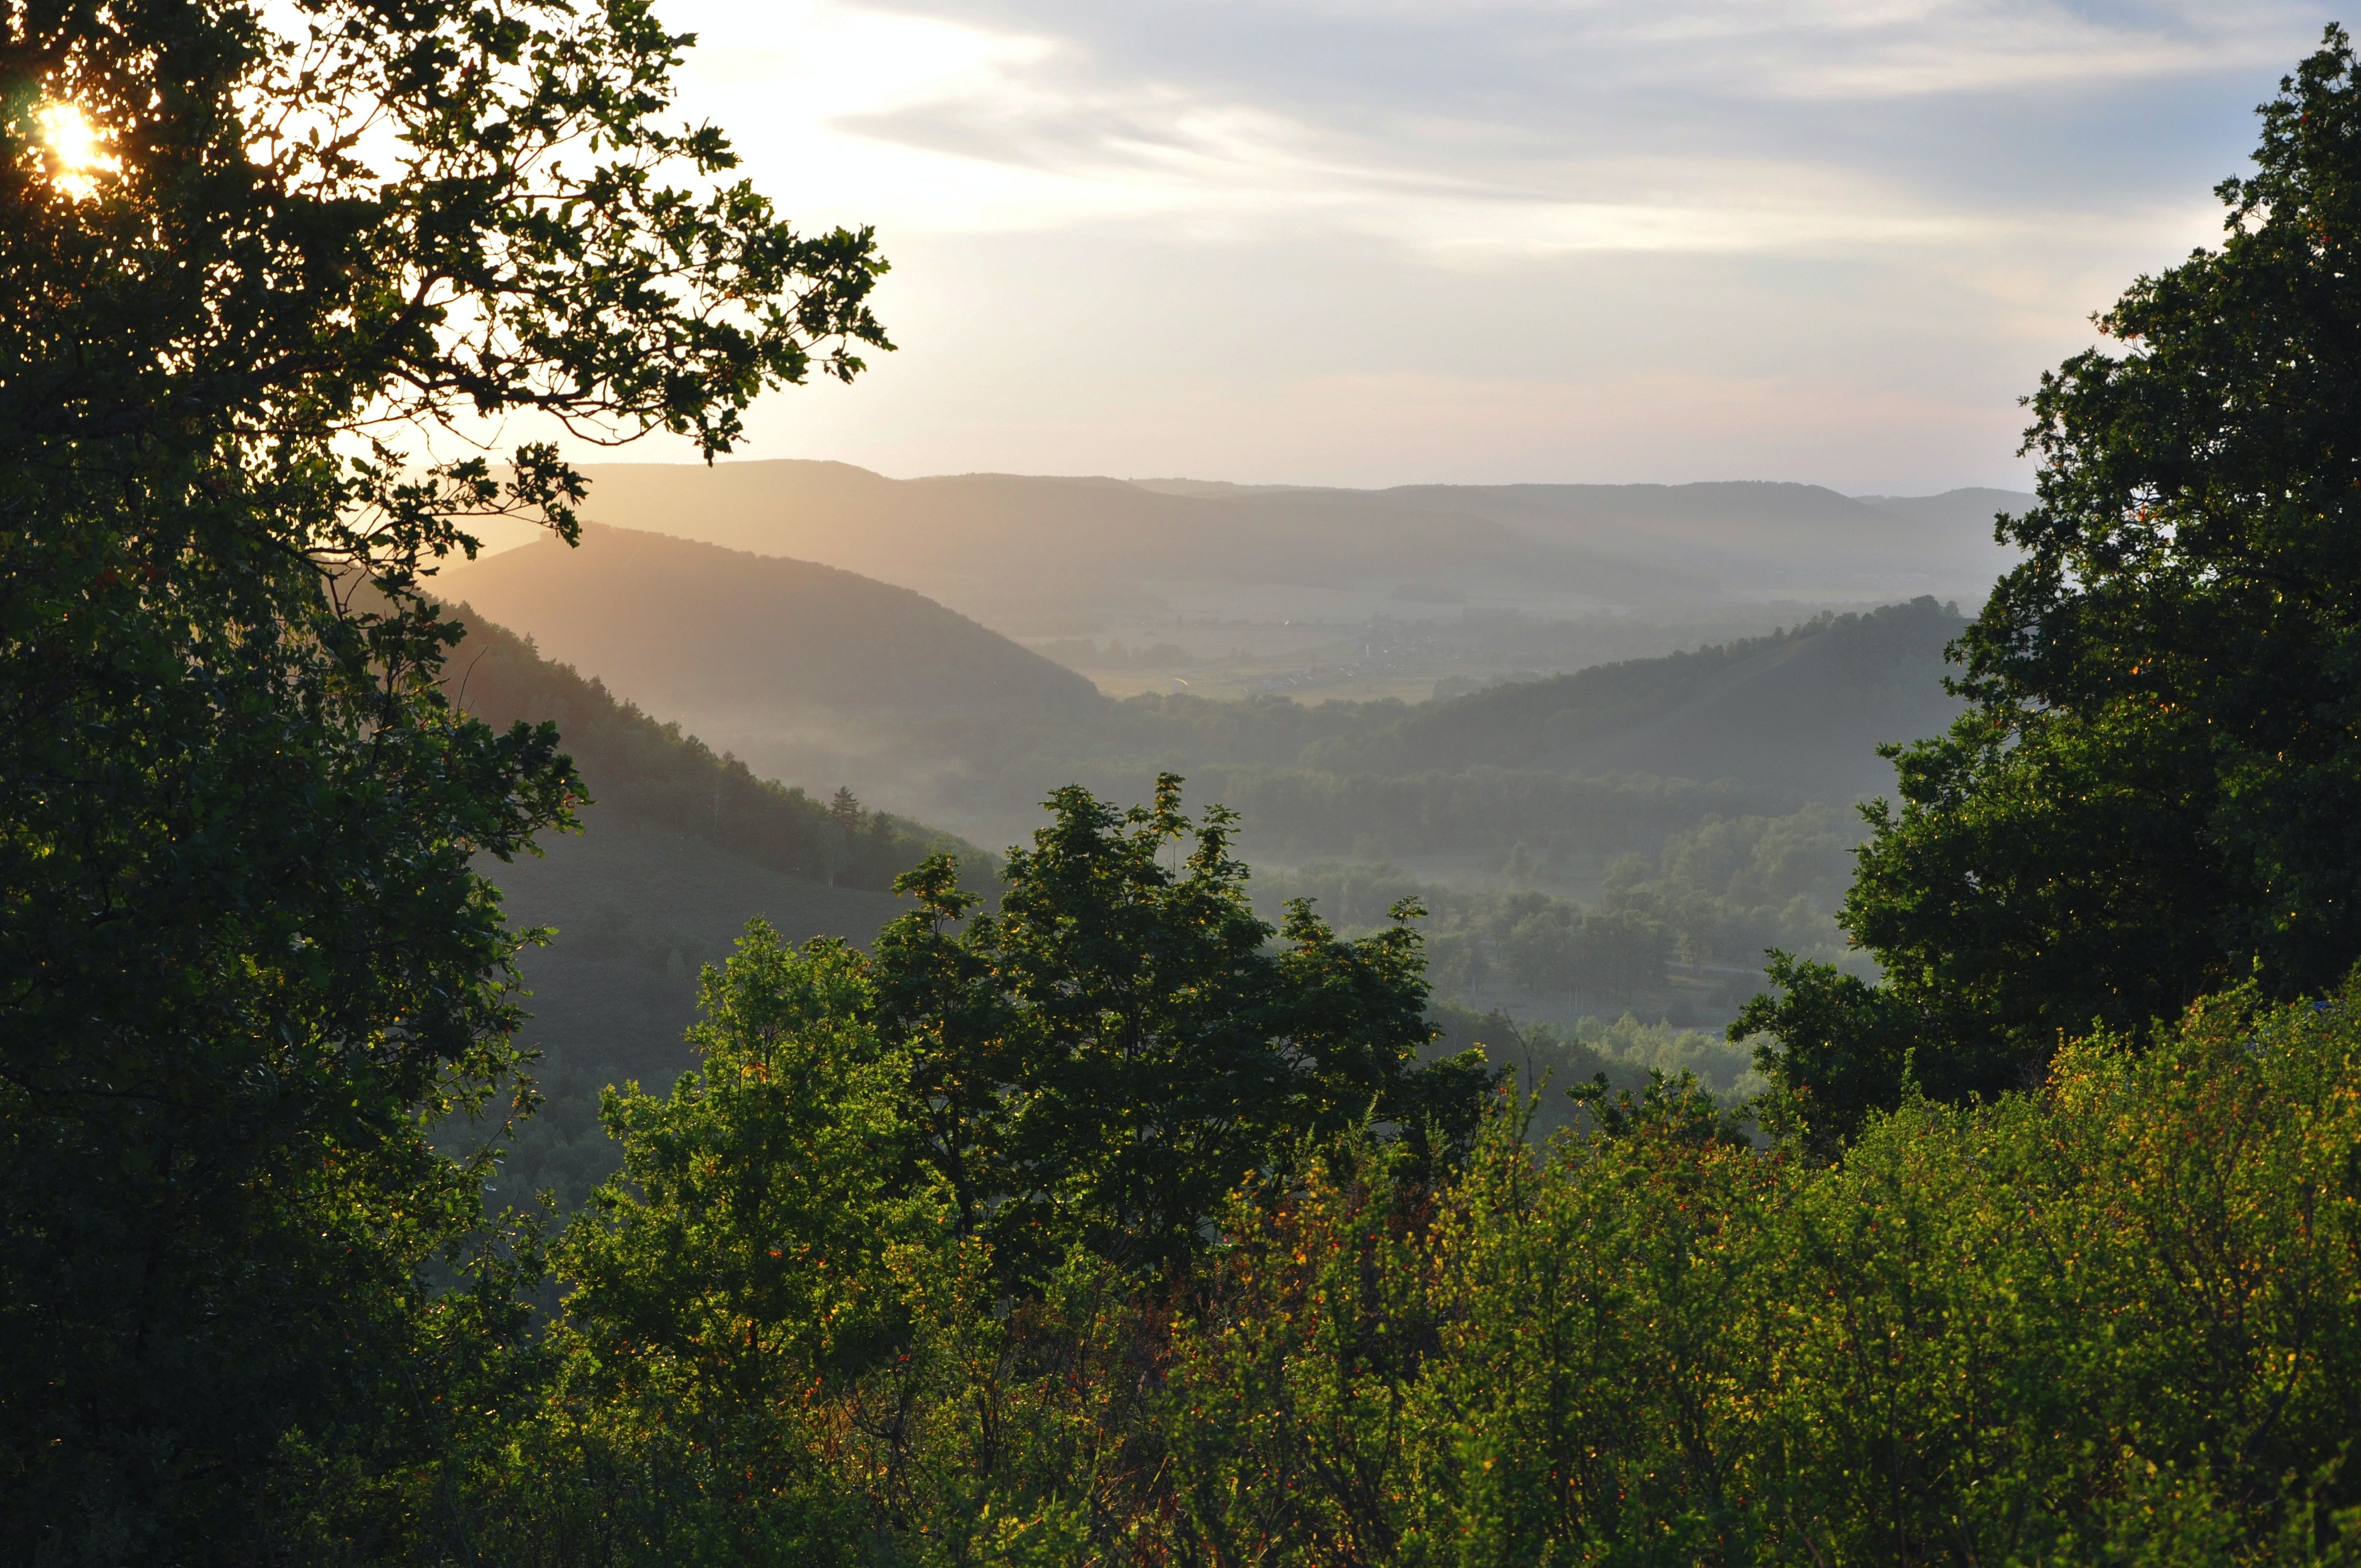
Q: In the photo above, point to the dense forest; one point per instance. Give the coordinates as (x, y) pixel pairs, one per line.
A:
(1113, 1217)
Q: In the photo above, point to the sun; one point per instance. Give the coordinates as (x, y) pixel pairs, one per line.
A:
(77, 156)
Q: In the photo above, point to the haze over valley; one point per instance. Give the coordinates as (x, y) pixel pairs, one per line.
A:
(1609, 737)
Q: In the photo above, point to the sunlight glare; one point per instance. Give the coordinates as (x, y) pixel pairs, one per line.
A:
(76, 155)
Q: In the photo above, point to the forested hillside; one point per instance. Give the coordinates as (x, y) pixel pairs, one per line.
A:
(648, 771)
(1537, 788)
(681, 849)
(1804, 709)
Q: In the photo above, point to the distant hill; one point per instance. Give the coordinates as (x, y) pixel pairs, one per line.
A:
(1967, 509)
(997, 544)
(1803, 709)
(701, 631)
(1017, 548)
(1759, 540)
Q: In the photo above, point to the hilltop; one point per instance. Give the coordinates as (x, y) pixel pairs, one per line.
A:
(1007, 545)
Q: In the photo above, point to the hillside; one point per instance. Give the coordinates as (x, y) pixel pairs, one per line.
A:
(1758, 540)
(1969, 512)
(1804, 709)
(637, 909)
(696, 630)
(680, 848)
(649, 771)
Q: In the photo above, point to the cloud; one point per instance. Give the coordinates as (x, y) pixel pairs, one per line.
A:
(1538, 129)
(1867, 214)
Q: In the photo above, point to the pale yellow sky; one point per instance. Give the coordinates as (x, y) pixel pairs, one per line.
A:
(1393, 240)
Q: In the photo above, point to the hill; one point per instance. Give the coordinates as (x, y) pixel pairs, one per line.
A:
(1003, 545)
(1756, 540)
(680, 848)
(1802, 710)
(1030, 553)
(698, 631)
(651, 772)
(1970, 509)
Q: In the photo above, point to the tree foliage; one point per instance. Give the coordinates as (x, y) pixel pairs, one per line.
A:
(244, 964)
(2116, 1320)
(2155, 792)
(1104, 1057)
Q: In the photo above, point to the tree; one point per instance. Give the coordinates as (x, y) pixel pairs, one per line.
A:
(1104, 1058)
(246, 971)
(2157, 789)
(740, 1254)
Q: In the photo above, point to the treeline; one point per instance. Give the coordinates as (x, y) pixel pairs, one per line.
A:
(1547, 1064)
(1520, 724)
(641, 767)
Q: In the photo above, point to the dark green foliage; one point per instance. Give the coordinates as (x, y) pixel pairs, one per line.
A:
(1114, 1050)
(245, 969)
(2157, 790)
(1840, 1047)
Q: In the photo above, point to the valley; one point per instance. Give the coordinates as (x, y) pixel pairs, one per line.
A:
(1607, 809)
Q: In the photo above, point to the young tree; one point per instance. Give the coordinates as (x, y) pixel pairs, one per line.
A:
(245, 968)
(2157, 790)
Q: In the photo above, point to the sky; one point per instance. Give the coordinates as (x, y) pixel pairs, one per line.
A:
(1374, 242)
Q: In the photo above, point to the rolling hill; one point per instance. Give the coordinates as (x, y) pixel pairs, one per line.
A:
(1025, 553)
(1803, 709)
(1758, 540)
(1002, 545)
(696, 630)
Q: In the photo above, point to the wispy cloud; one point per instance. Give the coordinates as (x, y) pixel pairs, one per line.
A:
(1997, 166)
